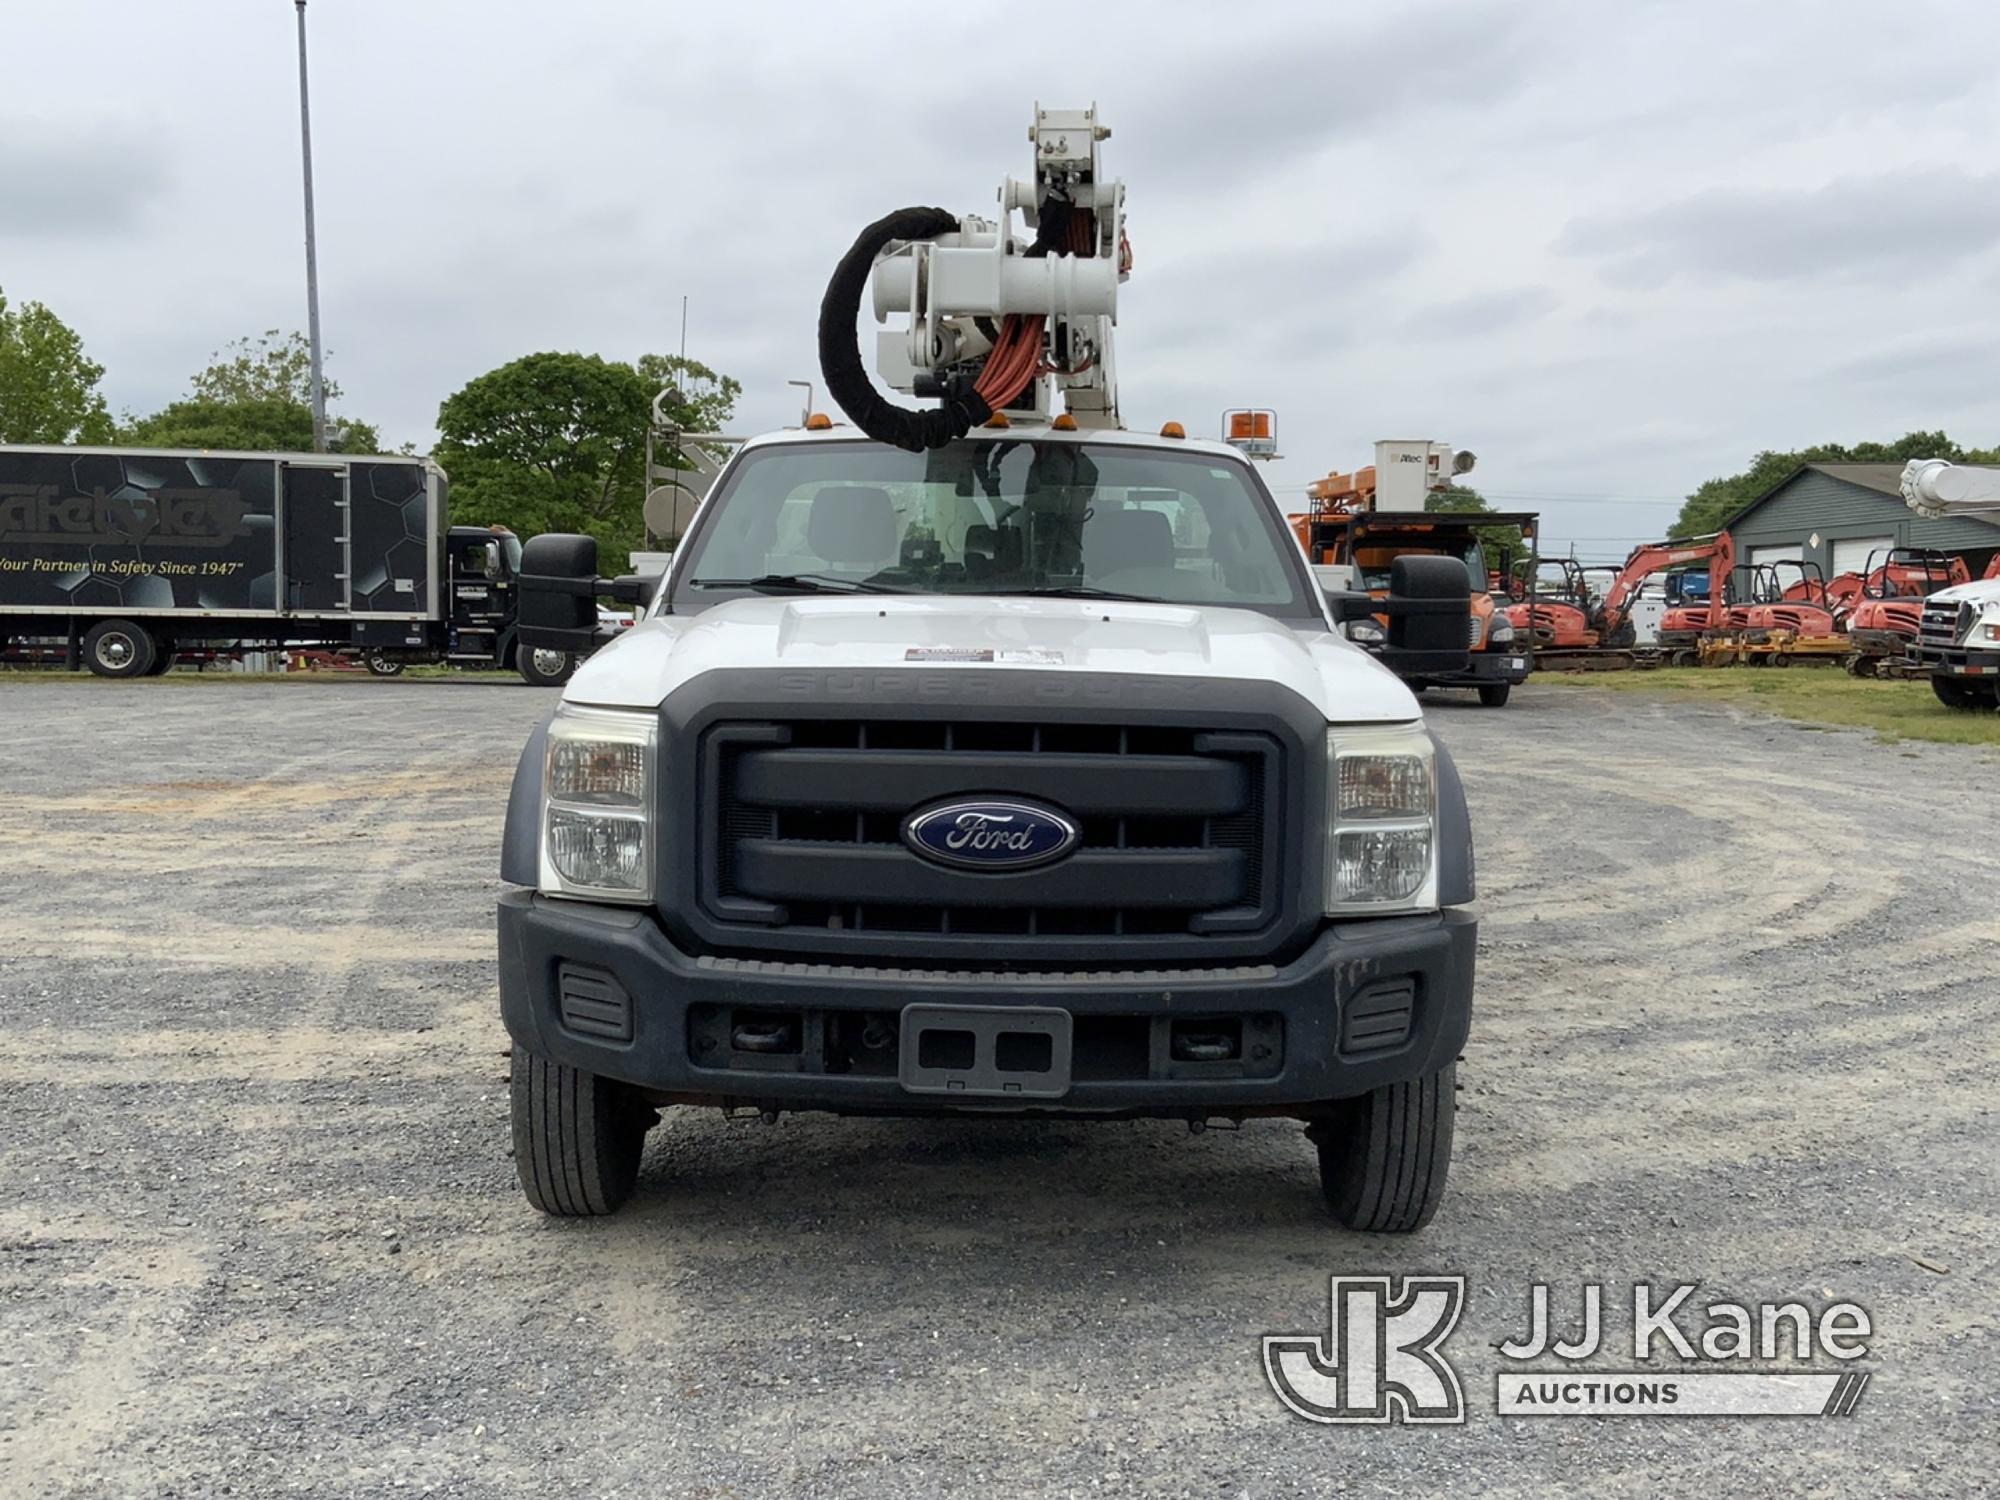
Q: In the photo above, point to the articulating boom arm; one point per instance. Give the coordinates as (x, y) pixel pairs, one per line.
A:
(996, 321)
(1934, 488)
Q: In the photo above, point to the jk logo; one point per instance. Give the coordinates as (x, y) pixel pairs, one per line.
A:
(1379, 1360)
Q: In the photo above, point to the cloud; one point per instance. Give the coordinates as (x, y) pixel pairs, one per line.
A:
(1255, 100)
(1860, 228)
(74, 183)
(1481, 313)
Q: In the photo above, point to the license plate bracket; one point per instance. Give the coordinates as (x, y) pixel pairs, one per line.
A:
(985, 1051)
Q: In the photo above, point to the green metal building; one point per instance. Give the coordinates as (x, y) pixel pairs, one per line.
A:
(1836, 514)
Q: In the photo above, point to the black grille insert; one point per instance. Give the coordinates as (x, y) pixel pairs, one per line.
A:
(1178, 831)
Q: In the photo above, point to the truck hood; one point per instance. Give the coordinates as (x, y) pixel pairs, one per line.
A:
(933, 633)
(1979, 591)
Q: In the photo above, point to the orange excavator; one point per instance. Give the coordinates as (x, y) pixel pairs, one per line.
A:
(1577, 618)
(1885, 618)
(1801, 606)
(1684, 625)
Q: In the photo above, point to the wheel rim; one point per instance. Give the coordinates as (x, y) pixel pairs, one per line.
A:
(549, 663)
(116, 650)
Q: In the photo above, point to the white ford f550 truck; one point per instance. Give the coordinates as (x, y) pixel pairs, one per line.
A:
(991, 769)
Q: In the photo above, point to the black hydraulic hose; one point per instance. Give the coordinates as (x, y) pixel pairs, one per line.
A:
(840, 348)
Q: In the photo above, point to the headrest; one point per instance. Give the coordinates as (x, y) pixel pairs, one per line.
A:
(853, 525)
(1114, 540)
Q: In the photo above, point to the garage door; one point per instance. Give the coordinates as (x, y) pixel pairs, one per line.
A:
(1850, 554)
(1793, 553)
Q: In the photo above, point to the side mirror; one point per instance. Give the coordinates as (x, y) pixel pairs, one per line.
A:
(1347, 606)
(634, 588)
(557, 601)
(1430, 615)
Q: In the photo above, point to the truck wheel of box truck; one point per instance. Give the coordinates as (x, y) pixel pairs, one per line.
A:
(1383, 1157)
(1494, 694)
(577, 1137)
(119, 648)
(547, 668)
(381, 666)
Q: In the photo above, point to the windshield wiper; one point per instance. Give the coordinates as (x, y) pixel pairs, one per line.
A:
(1077, 591)
(799, 583)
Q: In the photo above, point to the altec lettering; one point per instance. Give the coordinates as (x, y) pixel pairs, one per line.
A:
(42, 514)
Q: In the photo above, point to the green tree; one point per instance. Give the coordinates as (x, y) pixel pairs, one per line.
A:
(273, 366)
(707, 400)
(1456, 498)
(48, 385)
(557, 442)
(256, 395)
(1717, 500)
(265, 425)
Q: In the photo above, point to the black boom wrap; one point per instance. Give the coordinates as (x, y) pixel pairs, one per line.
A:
(840, 349)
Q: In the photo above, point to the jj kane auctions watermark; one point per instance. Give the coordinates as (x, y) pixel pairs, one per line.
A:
(1382, 1358)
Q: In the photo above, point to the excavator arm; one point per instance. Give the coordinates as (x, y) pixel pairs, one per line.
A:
(1719, 552)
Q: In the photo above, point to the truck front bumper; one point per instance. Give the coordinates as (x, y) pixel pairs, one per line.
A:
(604, 989)
(1958, 661)
(1485, 668)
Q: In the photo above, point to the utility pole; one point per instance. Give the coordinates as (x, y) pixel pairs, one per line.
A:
(312, 255)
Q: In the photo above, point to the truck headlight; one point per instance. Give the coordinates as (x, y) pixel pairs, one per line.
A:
(1502, 630)
(1381, 848)
(1365, 632)
(597, 805)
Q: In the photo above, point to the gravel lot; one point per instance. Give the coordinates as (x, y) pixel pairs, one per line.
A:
(259, 1231)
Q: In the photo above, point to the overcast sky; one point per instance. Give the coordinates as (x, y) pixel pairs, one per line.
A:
(1612, 247)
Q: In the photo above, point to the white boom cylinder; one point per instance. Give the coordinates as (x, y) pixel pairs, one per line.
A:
(966, 283)
(1933, 487)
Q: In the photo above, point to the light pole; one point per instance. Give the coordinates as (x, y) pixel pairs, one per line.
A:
(312, 256)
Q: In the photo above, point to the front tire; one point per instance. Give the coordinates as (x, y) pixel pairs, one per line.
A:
(546, 668)
(1384, 1157)
(118, 648)
(382, 666)
(577, 1137)
(1955, 694)
(1494, 694)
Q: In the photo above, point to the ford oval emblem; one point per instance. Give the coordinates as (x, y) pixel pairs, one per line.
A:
(989, 835)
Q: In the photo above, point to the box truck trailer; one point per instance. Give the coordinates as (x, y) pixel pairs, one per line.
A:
(125, 556)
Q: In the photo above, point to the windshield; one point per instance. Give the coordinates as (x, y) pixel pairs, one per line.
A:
(510, 545)
(1376, 552)
(993, 516)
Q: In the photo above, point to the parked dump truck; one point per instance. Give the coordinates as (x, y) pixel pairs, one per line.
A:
(984, 759)
(123, 557)
(1357, 525)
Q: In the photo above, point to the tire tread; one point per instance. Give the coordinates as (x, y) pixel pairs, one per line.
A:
(1384, 1160)
(577, 1137)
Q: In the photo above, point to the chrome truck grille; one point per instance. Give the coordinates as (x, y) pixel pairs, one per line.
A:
(1941, 626)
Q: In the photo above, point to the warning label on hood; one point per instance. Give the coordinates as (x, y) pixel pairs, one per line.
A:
(949, 655)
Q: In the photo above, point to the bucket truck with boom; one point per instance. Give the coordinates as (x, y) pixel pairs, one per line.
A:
(988, 759)
(1358, 524)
